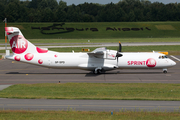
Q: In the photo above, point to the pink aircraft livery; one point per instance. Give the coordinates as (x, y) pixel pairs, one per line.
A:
(98, 61)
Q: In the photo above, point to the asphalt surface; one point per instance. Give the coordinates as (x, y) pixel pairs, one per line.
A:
(22, 73)
(88, 105)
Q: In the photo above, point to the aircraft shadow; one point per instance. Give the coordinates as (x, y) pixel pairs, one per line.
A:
(91, 74)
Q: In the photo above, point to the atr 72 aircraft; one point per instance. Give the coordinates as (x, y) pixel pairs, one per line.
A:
(98, 61)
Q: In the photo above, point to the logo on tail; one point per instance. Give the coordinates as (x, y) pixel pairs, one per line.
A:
(18, 44)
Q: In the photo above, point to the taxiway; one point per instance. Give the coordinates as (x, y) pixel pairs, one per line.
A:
(12, 72)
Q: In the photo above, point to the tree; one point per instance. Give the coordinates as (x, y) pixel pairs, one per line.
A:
(88, 18)
(35, 3)
(43, 4)
(11, 11)
(61, 14)
(62, 5)
(22, 11)
(2, 7)
(131, 16)
(73, 14)
(48, 15)
(124, 10)
(52, 4)
(121, 15)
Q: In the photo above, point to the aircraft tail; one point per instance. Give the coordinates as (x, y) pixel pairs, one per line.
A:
(19, 44)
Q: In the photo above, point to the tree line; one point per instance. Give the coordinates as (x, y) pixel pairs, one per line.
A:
(123, 11)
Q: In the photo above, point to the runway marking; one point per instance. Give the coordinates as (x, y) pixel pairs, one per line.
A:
(168, 75)
(175, 57)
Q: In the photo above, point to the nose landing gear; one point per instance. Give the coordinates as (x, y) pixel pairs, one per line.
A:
(165, 71)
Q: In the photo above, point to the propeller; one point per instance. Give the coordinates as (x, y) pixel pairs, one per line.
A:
(120, 47)
(119, 54)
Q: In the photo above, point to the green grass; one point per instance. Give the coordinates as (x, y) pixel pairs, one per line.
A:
(114, 40)
(172, 49)
(102, 33)
(103, 91)
(85, 115)
(105, 40)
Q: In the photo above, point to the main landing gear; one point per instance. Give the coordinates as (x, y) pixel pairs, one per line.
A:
(165, 71)
(98, 70)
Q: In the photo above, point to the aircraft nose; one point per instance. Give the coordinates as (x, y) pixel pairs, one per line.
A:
(173, 63)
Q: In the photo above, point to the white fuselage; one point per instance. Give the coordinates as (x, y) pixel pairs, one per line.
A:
(84, 61)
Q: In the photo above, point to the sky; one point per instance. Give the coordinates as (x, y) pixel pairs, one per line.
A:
(76, 2)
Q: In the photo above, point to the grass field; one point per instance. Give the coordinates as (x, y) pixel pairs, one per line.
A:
(84, 115)
(103, 91)
(172, 49)
(158, 30)
(82, 41)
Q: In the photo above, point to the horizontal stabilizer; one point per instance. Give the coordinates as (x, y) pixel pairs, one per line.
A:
(11, 30)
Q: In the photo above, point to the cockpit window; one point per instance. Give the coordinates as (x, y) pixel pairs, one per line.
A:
(163, 57)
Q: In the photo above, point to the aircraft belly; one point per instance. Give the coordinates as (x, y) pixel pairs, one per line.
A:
(67, 62)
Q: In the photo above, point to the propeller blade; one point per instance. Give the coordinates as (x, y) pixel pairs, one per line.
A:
(117, 61)
(120, 47)
(118, 54)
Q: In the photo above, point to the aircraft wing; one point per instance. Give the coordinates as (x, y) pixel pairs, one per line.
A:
(98, 53)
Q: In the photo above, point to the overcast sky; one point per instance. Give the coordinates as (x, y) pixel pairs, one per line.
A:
(76, 2)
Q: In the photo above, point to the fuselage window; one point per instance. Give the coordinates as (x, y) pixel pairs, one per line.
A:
(163, 57)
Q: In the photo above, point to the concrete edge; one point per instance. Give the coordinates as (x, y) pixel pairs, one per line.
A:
(2, 87)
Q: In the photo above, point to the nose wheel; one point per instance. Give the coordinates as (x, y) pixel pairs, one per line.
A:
(164, 71)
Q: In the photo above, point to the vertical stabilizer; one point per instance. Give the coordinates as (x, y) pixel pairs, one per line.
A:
(19, 44)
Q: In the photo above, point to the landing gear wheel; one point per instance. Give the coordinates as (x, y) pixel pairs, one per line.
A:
(98, 70)
(164, 71)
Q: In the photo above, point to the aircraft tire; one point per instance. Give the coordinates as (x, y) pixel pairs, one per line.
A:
(165, 71)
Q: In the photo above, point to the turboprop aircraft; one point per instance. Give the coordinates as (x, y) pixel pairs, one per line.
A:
(99, 60)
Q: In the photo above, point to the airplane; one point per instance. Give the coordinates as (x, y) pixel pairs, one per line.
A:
(98, 61)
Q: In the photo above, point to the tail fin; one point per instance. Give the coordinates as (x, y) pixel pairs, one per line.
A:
(19, 44)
